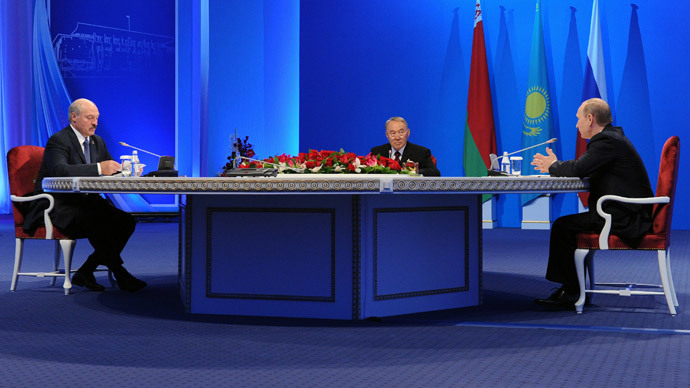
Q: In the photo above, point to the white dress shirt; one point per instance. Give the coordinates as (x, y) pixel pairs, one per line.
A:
(81, 139)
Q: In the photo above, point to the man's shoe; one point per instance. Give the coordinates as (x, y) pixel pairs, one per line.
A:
(560, 299)
(86, 279)
(130, 283)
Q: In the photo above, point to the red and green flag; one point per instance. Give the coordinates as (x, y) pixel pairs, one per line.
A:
(480, 135)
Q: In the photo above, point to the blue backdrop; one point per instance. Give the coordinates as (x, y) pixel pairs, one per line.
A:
(362, 62)
(177, 77)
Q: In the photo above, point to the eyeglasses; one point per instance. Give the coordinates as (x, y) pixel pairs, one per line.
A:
(398, 133)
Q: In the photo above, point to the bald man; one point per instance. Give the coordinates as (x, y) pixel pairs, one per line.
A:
(76, 150)
(613, 166)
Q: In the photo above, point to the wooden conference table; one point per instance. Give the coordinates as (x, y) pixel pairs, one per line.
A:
(327, 246)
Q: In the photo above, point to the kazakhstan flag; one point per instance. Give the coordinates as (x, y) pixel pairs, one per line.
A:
(537, 125)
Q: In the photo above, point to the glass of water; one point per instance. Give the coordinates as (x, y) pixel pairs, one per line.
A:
(516, 165)
(126, 162)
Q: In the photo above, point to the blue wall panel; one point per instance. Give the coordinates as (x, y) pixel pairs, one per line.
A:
(253, 77)
(362, 62)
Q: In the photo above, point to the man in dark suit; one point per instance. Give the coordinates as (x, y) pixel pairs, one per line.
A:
(400, 149)
(77, 151)
(613, 166)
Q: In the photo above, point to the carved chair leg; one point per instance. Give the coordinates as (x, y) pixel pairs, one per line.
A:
(56, 261)
(589, 265)
(663, 270)
(672, 288)
(67, 251)
(18, 253)
(579, 258)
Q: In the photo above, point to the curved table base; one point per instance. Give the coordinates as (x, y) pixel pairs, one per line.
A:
(329, 256)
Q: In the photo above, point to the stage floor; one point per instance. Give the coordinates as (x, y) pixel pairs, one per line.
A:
(146, 338)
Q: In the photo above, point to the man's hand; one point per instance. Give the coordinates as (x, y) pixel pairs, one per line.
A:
(543, 162)
(109, 167)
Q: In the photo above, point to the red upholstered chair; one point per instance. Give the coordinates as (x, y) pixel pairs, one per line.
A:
(659, 239)
(23, 163)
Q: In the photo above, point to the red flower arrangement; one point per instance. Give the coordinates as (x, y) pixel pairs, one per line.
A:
(333, 162)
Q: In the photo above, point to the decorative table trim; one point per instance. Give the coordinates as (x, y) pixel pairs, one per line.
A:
(369, 183)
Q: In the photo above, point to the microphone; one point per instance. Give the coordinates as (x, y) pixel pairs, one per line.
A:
(137, 148)
(272, 164)
(553, 140)
(494, 159)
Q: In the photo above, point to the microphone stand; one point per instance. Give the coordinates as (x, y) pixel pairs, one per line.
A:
(494, 159)
(553, 140)
(122, 143)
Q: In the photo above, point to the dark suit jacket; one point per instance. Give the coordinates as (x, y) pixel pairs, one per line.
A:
(413, 152)
(613, 167)
(63, 157)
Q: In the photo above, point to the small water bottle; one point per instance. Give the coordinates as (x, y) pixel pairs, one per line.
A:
(505, 163)
(135, 163)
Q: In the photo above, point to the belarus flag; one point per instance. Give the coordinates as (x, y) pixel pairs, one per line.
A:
(480, 136)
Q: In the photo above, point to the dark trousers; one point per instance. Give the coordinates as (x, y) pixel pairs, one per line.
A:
(561, 267)
(108, 230)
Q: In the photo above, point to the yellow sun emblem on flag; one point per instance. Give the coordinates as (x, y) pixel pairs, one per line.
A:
(537, 108)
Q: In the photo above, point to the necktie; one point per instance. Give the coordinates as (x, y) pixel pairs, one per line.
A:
(87, 151)
(397, 156)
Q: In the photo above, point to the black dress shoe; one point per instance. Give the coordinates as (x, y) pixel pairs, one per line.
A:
(559, 299)
(86, 279)
(130, 283)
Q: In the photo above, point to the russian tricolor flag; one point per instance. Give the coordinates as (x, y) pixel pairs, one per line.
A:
(595, 78)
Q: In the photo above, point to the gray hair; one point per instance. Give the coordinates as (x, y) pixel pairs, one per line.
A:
(75, 107)
(399, 119)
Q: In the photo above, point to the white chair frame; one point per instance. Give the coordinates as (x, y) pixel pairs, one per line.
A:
(66, 246)
(586, 256)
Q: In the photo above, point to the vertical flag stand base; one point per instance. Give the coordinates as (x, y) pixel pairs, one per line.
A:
(537, 214)
(489, 214)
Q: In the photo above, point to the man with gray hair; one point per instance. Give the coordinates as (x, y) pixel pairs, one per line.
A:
(401, 150)
(77, 151)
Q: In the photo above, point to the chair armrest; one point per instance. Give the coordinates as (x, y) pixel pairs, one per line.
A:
(46, 213)
(606, 230)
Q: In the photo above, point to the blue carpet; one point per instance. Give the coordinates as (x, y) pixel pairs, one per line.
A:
(145, 339)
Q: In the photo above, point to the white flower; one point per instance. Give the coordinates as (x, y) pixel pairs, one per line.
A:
(357, 163)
